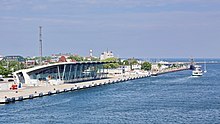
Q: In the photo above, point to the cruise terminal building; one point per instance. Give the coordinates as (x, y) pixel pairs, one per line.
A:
(58, 73)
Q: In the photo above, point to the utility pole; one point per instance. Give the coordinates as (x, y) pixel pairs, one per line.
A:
(40, 39)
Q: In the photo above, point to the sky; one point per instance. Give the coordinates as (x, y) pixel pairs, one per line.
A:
(129, 28)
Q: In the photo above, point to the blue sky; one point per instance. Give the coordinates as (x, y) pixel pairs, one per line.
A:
(130, 28)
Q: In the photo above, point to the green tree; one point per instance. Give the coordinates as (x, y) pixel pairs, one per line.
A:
(95, 59)
(146, 66)
(126, 62)
(115, 63)
(159, 65)
(3, 63)
(3, 71)
(92, 59)
(134, 62)
(77, 58)
(120, 62)
(12, 66)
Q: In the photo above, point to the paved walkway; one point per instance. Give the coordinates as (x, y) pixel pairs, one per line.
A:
(28, 92)
(38, 91)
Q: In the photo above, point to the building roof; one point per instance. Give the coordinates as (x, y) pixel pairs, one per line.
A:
(14, 58)
(62, 63)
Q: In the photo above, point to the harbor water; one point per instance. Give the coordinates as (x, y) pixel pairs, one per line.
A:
(170, 98)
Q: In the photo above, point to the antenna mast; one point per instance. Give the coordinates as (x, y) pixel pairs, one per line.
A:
(40, 39)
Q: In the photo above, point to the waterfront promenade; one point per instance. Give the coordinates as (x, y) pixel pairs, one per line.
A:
(10, 96)
(170, 70)
(39, 91)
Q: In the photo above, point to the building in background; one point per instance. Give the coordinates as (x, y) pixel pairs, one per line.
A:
(14, 58)
(91, 57)
(90, 53)
(62, 59)
(107, 54)
(1, 57)
(136, 67)
(30, 63)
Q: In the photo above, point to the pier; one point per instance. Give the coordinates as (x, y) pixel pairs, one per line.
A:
(27, 92)
(34, 92)
(169, 71)
(68, 76)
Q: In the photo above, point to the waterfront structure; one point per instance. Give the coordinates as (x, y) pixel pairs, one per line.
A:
(136, 67)
(14, 58)
(30, 63)
(65, 72)
(106, 55)
(87, 82)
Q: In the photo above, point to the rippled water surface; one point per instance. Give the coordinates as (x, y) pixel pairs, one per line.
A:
(170, 98)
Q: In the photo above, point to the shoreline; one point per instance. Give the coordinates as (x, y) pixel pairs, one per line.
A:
(169, 71)
(12, 96)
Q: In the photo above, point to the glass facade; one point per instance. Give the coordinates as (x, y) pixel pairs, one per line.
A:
(21, 77)
(70, 72)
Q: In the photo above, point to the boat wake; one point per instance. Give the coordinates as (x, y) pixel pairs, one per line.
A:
(183, 79)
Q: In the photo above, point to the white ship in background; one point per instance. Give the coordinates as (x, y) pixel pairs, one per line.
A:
(197, 71)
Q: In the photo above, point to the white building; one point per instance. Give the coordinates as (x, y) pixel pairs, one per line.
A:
(106, 55)
(1, 57)
(136, 67)
(154, 67)
(90, 53)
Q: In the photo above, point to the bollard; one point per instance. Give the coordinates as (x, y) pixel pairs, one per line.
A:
(7, 100)
(20, 98)
(49, 93)
(41, 94)
(31, 96)
(13, 99)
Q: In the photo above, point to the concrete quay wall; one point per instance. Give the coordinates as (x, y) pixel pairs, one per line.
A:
(34, 92)
(12, 96)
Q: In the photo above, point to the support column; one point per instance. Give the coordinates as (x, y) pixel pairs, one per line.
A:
(70, 72)
(64, 71)
(91, 71)
(103, 71)
(58, 71)
(80, 71)
(75, 71)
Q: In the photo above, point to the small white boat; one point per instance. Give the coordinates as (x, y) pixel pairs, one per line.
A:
(197, 71)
